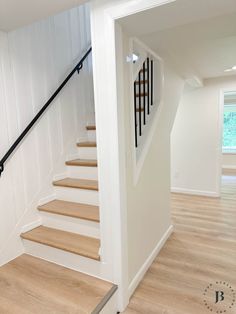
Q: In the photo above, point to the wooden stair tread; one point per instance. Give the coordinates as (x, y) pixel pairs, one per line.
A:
(91, 127)
(87, 144)
(82, 162)
(67, 241)
(141, 82)
(77, 184)
(71, 209)
(33, 285)
(138, 109)
(142, 95)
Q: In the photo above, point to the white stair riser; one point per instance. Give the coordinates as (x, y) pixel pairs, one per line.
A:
(87, 152)
(92, 135)
(70, 224)
(77, 195)
(78, 172)
(66, 259)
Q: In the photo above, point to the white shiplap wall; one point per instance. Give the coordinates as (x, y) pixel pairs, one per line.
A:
(33, 61)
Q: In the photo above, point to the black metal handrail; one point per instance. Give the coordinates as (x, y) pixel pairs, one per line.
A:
(77, 68)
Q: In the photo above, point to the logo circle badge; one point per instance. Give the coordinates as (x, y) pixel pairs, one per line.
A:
(219, 297)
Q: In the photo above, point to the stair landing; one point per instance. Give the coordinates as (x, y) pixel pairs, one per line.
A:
(32, 285)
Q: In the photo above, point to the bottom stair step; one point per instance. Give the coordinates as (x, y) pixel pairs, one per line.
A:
(67, 241)
(32, 285)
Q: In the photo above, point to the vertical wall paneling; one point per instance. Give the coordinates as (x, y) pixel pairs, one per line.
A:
(90, 110)
(33, 61)
(4, 142)
(14, 183)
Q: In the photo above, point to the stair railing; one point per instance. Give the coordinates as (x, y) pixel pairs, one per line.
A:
(143, 97)
(29, 127)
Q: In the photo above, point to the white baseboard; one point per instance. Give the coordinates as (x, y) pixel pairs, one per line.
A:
(60, 176)
(47, 199)
(195, 192)
(72, 157)
(140, 274)
(31, 225)
(82, 139)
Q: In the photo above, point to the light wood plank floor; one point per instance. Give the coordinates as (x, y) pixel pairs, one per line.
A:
(201, 251)
(29, 285)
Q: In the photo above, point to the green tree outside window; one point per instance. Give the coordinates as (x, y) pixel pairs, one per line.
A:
(229, 135)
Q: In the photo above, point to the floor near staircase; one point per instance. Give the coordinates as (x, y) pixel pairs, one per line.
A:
(200, 252)
(66, 233)
(29, 285)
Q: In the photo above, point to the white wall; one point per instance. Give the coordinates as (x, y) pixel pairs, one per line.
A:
(33, 61)
(196, 139)
(16, 14)
(124, 208)
(148, 199)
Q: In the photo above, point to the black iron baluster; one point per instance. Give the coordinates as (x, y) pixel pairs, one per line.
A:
(148, 85)
(144, 94)
(135, 114)
(140, 104)
(151, 82)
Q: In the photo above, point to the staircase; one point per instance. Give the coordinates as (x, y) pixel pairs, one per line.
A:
(69, 233)
(67, 236)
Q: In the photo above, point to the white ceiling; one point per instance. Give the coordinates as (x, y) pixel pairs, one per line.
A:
(16, 13)
(198, 37)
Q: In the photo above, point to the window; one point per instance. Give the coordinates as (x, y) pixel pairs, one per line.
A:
(229, 134)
